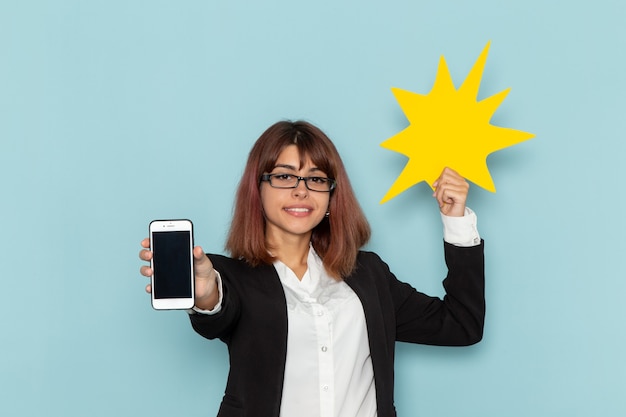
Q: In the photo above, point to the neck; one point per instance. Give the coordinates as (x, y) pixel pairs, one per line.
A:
(292, 252)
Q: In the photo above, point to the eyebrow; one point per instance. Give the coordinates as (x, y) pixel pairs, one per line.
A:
(293, 168)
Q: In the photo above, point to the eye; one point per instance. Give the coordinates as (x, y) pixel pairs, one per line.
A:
(318, 180)
(283, 177)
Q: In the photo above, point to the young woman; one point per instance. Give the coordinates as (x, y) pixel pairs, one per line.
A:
(309, 318)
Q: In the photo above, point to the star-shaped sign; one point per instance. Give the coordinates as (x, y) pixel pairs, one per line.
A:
(450, 128)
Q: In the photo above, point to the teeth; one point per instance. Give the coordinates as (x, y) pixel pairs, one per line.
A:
(299, 210)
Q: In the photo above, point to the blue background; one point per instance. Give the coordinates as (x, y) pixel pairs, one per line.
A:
(114, 113)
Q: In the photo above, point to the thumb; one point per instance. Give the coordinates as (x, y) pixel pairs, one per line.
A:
(198, 253)
(202, 264)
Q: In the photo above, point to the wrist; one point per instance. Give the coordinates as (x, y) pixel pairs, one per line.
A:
(209, 295)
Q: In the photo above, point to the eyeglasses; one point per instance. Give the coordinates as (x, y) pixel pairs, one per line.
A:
(320, 184)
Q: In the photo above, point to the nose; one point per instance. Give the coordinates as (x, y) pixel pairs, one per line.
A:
(301, 190)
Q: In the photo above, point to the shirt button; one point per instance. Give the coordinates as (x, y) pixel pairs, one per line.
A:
(325, 387)
(320, 312)
(324, 348)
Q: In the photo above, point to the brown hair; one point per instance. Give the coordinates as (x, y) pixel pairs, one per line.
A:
(337, 239)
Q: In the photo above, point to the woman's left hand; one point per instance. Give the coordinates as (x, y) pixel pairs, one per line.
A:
(451, 193)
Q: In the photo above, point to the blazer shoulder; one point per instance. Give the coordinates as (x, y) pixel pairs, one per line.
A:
(370, 265)
(226, 264)
(364, 256)
(239, 274)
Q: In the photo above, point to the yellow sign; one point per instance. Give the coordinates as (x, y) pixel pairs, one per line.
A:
(450, 128)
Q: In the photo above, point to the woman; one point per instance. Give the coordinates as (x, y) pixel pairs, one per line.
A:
(310, 320)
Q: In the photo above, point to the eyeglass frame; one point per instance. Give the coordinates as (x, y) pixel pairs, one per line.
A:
(268, 178)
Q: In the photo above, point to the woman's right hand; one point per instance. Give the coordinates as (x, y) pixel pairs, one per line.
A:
(206, 291)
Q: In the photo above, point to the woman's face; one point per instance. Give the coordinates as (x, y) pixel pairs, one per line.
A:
(293, 212)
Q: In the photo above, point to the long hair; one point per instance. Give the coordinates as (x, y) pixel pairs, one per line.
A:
(338, 237)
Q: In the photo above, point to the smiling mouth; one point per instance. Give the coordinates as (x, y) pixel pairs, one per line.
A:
(298, 210)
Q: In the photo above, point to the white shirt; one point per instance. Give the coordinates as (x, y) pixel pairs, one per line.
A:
(328, 370)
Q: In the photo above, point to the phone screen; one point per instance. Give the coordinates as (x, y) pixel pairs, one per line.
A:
(172, 264)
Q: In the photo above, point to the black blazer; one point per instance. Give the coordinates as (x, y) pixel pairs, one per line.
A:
(253, 323)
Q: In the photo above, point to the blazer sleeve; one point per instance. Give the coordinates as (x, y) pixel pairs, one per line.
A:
(220, 325)
(455, 320)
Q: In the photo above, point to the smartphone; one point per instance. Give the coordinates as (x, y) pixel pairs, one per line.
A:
(171, 242)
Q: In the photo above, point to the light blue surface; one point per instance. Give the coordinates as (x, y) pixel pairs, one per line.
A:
(114, 113)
